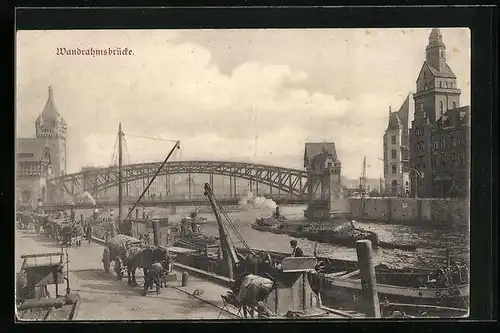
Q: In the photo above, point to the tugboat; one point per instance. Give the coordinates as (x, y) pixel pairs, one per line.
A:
(274, 223)
(189, 234)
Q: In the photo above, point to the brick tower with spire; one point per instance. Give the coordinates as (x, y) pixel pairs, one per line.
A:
(52, 127)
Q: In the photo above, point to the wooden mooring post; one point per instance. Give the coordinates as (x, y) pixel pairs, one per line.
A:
(156, 233)
(369, 295)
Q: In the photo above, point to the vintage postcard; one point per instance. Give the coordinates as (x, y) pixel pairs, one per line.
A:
(239, 174)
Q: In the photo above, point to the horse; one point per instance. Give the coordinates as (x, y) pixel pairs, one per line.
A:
(144, 258)
(66, 232)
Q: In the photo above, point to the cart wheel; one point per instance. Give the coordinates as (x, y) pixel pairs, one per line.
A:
(118, 268)
(105, 261)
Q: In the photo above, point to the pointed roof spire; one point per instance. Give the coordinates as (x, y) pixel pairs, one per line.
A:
(435, 38)
(50, 113)
(390, 109)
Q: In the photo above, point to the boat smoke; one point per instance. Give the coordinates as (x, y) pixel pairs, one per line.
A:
(256, 202)
(86, 197)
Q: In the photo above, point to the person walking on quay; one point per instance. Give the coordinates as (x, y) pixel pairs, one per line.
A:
(88, 232)
(297, 251)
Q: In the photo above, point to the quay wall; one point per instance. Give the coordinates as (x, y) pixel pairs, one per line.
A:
(411, 211)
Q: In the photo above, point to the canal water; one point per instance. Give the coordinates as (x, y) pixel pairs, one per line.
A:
(432, 240)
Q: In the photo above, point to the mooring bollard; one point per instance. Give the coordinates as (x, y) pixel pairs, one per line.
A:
(156, 233)
(369, 295)
(185, 278)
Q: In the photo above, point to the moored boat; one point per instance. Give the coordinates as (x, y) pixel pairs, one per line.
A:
(344, 235)
(346, 290)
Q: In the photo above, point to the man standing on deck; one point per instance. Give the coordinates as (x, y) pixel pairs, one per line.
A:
(297, 251)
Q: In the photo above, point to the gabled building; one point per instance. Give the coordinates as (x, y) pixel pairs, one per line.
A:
(326, 197)
(396, 148)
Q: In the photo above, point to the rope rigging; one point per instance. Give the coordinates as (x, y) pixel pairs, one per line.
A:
(149, 137)
(126, 148)
(226, 221)
(114, 151)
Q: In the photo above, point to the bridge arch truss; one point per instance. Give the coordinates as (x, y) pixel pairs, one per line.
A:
(287, 180)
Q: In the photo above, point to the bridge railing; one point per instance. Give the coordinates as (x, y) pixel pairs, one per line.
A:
(129, 200)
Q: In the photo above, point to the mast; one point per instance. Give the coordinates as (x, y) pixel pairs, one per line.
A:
(120, 175)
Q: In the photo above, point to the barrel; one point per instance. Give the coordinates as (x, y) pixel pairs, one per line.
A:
(185, 278)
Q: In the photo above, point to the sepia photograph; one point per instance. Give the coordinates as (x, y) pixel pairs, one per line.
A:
(240, 174)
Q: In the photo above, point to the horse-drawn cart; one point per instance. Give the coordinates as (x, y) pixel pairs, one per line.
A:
(34, 302)
(116, 253)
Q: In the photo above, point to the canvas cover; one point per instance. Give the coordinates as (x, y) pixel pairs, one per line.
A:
(250, 287)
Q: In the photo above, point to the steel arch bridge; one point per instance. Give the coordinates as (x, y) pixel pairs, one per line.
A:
(287, 180)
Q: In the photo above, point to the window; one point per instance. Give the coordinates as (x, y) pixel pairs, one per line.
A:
(425, 75)
(394, 169)
(393, 153)
(461, 158)
(329, 164)
(393, 139)
(442, 159)
(425, 86)
(440, 84)
(454, 105)
(453, 158)
(436, 144)
(446, 84)
(443, 143)
(454, 142)
(441, 108)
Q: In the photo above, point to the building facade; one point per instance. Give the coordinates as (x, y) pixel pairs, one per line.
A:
(450, 154)
(436, 94)
(32, 170)
(396, 149)
(41, 157)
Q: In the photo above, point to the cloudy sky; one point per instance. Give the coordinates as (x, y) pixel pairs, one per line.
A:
(207, 87)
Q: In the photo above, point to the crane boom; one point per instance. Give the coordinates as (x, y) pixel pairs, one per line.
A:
(228, 248)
